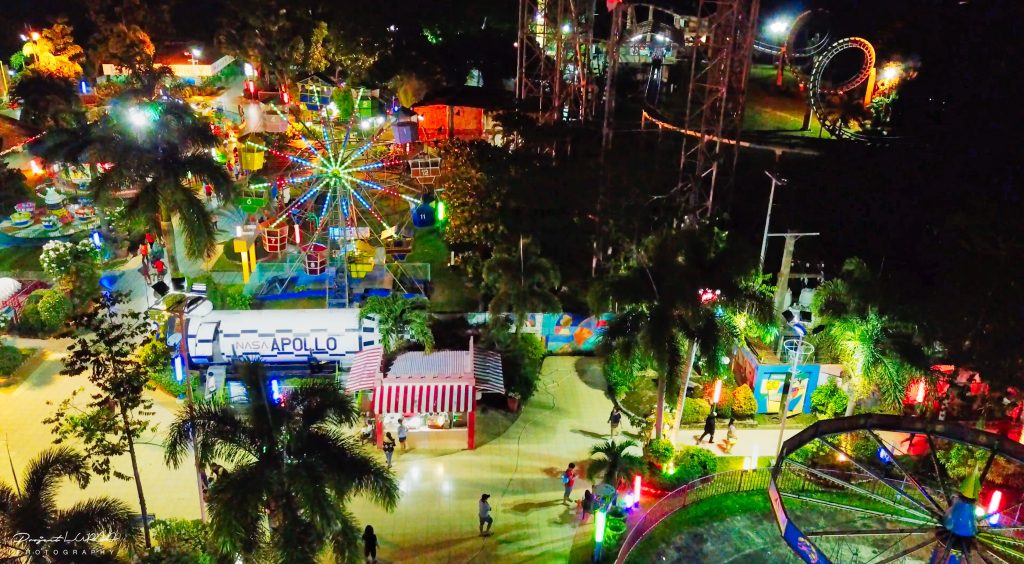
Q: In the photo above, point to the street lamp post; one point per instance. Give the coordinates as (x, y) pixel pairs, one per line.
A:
(778, 29)
(776, 180)
(798, 349)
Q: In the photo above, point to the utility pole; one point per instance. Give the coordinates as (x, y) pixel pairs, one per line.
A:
(782, 286)
(776, 180)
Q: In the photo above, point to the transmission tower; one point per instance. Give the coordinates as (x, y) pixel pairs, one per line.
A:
(554, 68)
(717, 95)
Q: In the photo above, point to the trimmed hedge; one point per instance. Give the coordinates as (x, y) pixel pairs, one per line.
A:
(695, 410)
(744, 405)
(689, 463)
(829, 400)
(660, 451)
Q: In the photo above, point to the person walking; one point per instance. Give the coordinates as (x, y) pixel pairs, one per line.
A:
(389, 447)
(145, 272)
(568, 480)
(144, 251)
(403, 433)
(709, 428)
(730, 436)
(161, 269)
(586, 506)
(485, 515)
(614, 419)
(370, 545)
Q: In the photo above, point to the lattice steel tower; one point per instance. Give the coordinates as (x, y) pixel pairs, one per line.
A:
(717, 95)
(554, 69)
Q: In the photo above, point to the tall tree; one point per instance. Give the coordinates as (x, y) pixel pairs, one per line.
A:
(675, 296)
(117, 413)
(160, 152)
(878, 351)
(400, 318)
(47, 101)
(522, 282)
(55, 52)
(29, 511)
(293, 467)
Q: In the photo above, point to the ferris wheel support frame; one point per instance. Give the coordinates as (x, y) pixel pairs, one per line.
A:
(801, 542)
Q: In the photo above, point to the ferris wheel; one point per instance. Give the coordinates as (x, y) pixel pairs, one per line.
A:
(347, 194)
(884, 488)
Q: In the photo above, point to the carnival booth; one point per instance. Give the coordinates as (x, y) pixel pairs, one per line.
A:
(435, 394)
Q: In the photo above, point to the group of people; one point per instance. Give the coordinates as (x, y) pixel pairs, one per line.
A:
(389, 441)
(153, 266)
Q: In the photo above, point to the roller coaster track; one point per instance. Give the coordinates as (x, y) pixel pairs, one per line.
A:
(652, 115)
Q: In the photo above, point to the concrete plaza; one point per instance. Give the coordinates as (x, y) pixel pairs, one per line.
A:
(518, 464)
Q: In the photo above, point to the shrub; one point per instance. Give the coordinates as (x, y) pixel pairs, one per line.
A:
(234, 297)
(180, 541)
(812, 453)
(30, 323)
(624, 374)
(660, 451)
(695, 410)
(75, 268)
(10, 359)
(54, 309)
(829, 400)
(724, 400)
(743, 403)
(694, 462)
(690, 463)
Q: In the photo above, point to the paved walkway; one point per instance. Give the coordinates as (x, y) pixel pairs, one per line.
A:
(436, 519)
(169, 493)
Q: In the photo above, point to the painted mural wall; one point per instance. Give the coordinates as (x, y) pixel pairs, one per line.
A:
(766, 380)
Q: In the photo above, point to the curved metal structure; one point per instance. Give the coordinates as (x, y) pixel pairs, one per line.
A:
(883, 488)
(794, 30)
(822, 62)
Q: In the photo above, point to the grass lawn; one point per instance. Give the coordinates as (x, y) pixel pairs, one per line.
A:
(297, 303)
(726, 525)
(798, 421)
(770, 109)
(727, 463)
(224, 264)
(19, 373)
(16, 259)
(450, 290)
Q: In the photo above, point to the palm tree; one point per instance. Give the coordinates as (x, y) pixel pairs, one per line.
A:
(160, 154)
(522, 282)
(615, 464)
(47, 101)
(398, 317)
(293, 466)
(664, 311)
(874, 349)
(32, 512)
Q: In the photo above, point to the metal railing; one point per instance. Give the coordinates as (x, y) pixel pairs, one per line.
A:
(734, 481)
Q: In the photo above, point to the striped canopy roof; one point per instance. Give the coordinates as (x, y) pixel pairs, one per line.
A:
(481, 367)
(366, 370)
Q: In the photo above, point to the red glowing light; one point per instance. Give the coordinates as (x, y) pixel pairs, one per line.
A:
(707, 295)
(921, 386)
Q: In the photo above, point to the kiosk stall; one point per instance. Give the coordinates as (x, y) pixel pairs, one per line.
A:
(435, 393)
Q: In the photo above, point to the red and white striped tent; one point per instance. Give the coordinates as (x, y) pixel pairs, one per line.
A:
(419, 382)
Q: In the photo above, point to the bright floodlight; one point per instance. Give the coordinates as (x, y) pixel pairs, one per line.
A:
(566, 28)
(197, 52)
(138, 118)
(890, 72)
(778, 27)
(34, 35)
(23, 37)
